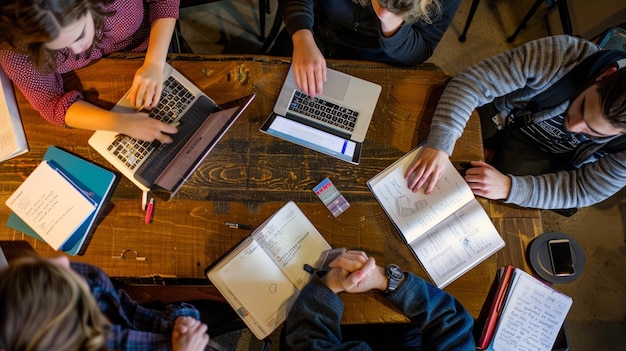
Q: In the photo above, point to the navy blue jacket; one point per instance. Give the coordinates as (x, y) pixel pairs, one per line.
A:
(313, 322)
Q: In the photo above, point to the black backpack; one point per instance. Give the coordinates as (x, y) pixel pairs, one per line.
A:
(570, 86)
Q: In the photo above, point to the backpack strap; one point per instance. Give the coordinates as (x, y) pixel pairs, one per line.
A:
(567, 87)
(615, 145)
(577, 79)
(571, 84)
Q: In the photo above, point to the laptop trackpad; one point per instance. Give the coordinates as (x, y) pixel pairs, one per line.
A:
(336, 86)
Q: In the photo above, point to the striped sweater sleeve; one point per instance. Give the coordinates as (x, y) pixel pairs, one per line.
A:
(515, 75)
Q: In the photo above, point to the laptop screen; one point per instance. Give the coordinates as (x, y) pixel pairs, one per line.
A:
(313, 138)
(196, 149)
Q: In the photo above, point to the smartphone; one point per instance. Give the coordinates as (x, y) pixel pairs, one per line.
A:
(561, 257)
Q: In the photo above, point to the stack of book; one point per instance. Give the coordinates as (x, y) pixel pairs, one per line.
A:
(61, 201)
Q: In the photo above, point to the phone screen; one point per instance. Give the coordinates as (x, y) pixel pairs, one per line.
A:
(561, 256)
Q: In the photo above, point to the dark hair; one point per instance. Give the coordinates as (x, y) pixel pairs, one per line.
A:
(27, 25)
(612, 91)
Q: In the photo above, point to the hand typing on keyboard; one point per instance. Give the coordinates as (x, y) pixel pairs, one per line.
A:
(159, 122)
(147, 86)
(308, 63)
(140, 126)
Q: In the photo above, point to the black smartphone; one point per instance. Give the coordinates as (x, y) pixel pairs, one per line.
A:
(561, 257)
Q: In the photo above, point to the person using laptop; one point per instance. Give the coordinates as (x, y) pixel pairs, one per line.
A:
(403, 32)
(42, 40)
(437, 320)
(571, 154)
(55, 304)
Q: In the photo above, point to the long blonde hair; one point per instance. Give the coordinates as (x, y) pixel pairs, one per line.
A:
(47, 307)
(425, 11)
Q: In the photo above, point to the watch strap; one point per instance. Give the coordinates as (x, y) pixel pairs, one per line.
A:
(395, 277)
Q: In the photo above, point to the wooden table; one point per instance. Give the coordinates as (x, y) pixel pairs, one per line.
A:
(249, 175)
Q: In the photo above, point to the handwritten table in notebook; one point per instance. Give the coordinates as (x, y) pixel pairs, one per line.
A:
(250, 175)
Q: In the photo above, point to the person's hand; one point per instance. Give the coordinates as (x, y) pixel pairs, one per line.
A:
(140, 126)
(354, 272)
(189, 334)
(147, 86)
(486, 181)
(426, 169)
(309, 65)
(389, 21)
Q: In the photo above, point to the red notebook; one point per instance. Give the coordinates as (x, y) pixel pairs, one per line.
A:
(496, 308)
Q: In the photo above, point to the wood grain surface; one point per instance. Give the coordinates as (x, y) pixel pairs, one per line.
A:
(249, 175)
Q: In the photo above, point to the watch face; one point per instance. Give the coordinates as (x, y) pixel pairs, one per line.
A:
(395, 276)
(394, 272)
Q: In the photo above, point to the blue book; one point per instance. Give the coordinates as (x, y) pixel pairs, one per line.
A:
(94, 181)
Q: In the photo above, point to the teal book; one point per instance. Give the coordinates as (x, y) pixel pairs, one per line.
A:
(97, 182)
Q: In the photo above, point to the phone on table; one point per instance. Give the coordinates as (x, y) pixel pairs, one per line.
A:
(561, 257)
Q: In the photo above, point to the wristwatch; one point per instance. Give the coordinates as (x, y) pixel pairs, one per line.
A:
(395, 276)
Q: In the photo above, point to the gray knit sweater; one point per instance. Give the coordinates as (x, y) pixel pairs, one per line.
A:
(509, 80)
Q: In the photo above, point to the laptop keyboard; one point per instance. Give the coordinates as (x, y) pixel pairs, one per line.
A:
(324, 111)
(174, 99)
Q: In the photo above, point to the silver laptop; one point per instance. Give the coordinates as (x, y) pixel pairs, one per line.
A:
(334, 123)
(165, 167)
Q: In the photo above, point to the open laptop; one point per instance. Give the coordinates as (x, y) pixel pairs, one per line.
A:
(334, 123)
(165, 167)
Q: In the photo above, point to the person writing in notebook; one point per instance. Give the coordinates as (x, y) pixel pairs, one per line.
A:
(565, 157)
(437, 320)
(403, 32)
(52, 304)
(42, 40)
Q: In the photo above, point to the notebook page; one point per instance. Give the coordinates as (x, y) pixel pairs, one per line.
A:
(532, 316)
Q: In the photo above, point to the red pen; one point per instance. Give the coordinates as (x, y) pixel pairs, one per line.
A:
(149, 210)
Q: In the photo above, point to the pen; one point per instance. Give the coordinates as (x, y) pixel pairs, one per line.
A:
(149, 211)
(144, 200)
(239, 226)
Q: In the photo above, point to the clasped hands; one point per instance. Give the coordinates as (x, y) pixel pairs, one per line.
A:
(483, 179)
(353, 271)
(189, 334)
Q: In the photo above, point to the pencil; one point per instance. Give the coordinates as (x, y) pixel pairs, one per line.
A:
(239, 226)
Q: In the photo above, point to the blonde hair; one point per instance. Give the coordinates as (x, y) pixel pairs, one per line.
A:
(412, 11)
(47, 307)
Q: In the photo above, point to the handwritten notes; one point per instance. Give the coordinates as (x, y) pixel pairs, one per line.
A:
(50, 204)
(263, 275)
(532, 316)
(448, 230)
